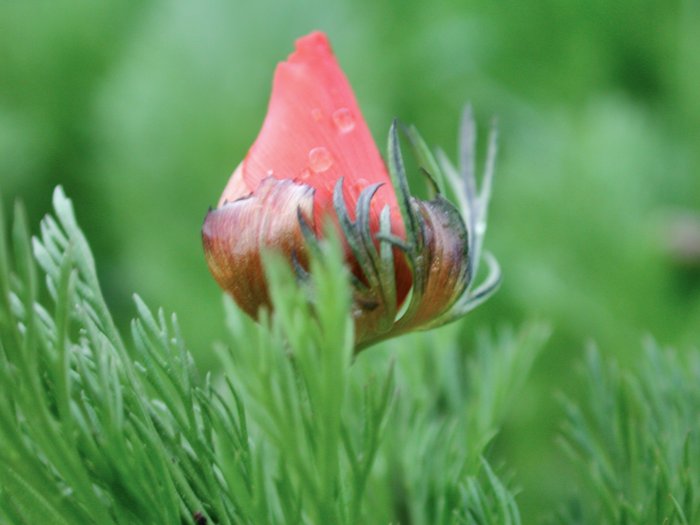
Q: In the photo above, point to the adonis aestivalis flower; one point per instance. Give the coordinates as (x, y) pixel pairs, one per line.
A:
(314, 160)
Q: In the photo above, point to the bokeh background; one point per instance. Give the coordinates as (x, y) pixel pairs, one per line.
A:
(142, 109)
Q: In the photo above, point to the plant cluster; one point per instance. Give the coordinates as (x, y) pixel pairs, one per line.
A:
(98, 426)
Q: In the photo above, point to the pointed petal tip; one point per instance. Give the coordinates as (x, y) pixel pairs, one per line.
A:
(315, 44)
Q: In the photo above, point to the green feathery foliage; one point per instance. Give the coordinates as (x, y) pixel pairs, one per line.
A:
(98, 427)
(636, 441)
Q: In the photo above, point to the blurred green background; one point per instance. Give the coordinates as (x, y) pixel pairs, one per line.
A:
(141, 110)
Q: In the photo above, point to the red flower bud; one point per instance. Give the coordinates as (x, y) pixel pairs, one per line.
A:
(315, 160)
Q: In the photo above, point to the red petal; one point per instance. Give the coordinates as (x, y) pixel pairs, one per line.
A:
(314, 134)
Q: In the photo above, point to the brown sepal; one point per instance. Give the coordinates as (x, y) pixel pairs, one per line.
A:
(235, 234)
(441, 274)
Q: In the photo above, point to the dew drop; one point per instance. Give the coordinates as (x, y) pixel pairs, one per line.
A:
(480, 228)
(270, 173)
(316, 114)
(343, 120)
(320, 159)
(305, 174)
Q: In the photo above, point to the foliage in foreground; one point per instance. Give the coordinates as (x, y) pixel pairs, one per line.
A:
(98, 427)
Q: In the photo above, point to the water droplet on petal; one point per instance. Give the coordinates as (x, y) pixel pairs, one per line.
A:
(343, 120)
(316, 114)
(320, 159)
(480, 228)
(270, 173)
(305, 174)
